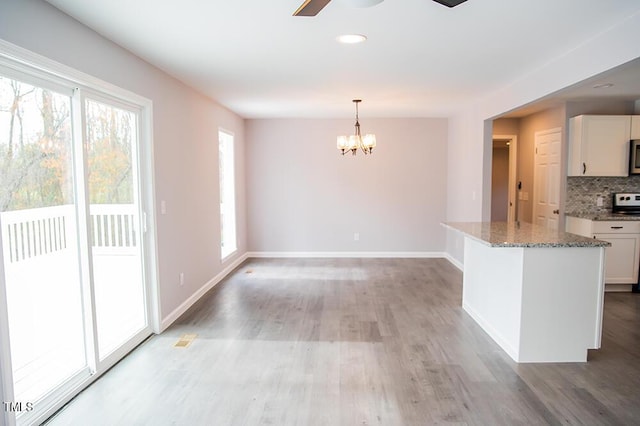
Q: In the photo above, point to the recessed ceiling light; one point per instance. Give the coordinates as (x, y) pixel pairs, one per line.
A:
(362, 3)
(351, 38)
(603, 86)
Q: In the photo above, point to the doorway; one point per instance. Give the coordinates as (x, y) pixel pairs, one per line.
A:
(75, 293)
(504, 207)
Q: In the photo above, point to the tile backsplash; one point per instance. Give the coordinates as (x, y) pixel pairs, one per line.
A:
(583, 192)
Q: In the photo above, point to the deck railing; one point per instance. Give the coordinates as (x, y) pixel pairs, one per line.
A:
(42, 274)
(114, 228)
(35, 232)
(30, 233)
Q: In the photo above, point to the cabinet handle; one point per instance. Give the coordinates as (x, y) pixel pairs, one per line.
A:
(584, 168)
(617, 227)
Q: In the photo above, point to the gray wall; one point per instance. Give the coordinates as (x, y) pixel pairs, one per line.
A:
(303, 196)
(185, 126)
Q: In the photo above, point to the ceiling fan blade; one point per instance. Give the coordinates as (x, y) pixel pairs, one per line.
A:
(311, 7)
(450, 3)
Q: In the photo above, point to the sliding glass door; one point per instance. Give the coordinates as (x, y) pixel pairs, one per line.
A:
(72, 238)
(112, 138)
(39, 218)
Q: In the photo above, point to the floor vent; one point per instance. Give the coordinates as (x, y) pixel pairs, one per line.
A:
(185, 340)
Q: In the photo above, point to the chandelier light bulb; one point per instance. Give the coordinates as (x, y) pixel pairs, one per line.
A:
(369, 141)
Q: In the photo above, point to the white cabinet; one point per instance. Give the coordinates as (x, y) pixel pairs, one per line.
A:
(635, 127)
(599, 145)
(622, 259)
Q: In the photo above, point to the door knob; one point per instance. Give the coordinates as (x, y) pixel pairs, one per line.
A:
(556, 211)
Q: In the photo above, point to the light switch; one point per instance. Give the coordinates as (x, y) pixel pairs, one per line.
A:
(163, 207)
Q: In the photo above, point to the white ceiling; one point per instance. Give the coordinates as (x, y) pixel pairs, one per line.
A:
(421, 59)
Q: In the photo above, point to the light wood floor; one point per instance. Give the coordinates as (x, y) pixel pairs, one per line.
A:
(356, 342)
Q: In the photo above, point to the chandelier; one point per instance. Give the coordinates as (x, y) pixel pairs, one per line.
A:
(355, 141)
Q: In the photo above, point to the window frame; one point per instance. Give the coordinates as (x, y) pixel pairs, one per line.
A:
(228, 202)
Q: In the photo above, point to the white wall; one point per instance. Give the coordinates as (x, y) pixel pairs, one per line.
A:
(185, 141)
(469, 158)
(303, 196)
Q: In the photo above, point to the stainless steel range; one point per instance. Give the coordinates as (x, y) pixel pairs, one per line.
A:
(626, 203)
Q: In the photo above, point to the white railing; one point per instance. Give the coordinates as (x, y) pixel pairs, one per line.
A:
(42, 275)
(36, 232)
(113, 228)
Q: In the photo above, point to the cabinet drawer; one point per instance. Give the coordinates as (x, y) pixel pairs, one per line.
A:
(617, 227)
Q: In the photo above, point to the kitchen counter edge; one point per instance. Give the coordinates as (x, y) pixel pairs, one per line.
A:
(521, 234)
(603, 217)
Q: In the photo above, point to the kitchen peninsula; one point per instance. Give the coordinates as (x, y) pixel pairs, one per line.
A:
(537, 292)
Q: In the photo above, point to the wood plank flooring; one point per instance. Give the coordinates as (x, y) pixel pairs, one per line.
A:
(356, 342)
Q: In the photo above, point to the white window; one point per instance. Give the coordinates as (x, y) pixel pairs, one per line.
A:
(227, 195)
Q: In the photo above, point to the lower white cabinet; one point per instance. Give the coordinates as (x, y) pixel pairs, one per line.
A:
(622, 259)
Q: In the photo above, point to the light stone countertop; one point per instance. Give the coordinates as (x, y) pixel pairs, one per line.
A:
(604, 216)
(521, 234)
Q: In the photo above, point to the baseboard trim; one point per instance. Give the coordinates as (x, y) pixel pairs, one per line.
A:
(176, 313)
(347, 254)
(618, 288)
(492, 332)
(454, 262)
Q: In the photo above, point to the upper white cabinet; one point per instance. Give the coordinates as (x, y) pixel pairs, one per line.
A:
(599, 145)
(635, 127)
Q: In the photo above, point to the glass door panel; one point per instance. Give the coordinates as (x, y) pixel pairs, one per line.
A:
(39, 236)
(112, 137)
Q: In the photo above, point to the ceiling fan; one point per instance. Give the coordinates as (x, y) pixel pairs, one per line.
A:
(312, 7)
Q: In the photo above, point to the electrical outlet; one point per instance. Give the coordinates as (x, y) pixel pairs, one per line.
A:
(181, 278)
(356, 236)
(599, 202)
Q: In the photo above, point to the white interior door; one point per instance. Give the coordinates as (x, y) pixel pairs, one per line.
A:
(546, 189)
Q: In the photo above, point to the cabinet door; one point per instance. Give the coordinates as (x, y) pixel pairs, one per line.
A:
(578, 226)
(635, 127)
(600, 145)
(622, 258)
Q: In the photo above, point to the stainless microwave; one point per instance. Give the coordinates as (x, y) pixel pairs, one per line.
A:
(634, 157)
